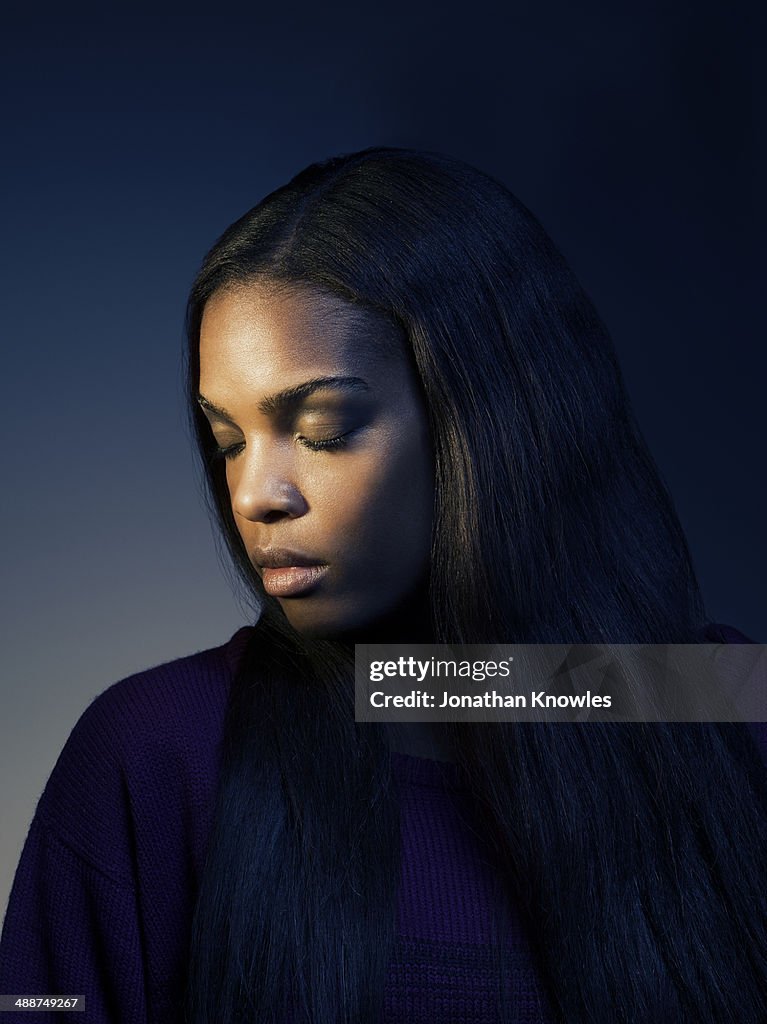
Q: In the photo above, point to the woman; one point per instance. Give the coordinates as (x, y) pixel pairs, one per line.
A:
(413, 428)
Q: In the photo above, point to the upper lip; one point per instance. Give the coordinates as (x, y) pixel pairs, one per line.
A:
(278, 558)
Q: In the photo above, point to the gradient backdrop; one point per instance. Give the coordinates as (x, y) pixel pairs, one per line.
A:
(130, 142)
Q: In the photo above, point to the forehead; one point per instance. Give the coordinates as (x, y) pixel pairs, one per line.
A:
(258, 333)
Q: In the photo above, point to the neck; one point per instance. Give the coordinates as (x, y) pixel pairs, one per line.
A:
(409, 622)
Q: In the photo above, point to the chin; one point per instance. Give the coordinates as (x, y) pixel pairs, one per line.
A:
(328, 627)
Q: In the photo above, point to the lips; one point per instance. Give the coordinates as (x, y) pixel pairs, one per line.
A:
(287, 573)
(279, 558)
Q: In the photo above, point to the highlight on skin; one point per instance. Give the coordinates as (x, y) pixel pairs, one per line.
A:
(639, 880)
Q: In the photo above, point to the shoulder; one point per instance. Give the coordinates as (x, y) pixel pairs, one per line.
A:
(178, 701)
(720, 633)
(144, 751)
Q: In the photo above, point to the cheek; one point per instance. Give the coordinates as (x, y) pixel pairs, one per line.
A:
(381, 503)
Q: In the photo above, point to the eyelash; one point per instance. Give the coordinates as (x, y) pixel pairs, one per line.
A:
(329, 444)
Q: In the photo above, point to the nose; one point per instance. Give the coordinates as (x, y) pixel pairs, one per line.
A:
(265, 493)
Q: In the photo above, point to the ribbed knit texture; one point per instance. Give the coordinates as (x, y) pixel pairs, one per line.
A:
(103, 895)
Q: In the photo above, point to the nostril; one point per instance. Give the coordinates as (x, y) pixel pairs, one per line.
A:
(270, 505)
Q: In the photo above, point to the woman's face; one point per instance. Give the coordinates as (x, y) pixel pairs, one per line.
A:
(329, 461)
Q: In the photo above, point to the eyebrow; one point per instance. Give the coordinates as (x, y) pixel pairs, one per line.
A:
(291, 397)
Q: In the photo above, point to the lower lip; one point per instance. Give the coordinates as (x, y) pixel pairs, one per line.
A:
(291, 580)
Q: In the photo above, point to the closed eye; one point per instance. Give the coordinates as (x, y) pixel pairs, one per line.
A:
(323, 445)
(326, 444)
(230, 452)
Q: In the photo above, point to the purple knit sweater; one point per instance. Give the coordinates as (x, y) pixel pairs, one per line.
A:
(102, 900)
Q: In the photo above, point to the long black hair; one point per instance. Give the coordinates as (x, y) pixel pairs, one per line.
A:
(636, 853)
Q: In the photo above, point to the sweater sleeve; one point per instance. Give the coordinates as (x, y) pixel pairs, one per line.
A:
(103, 896)
(73, 926)
(69, 930)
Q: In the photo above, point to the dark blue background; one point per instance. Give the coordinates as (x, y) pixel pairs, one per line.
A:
(131, 141)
